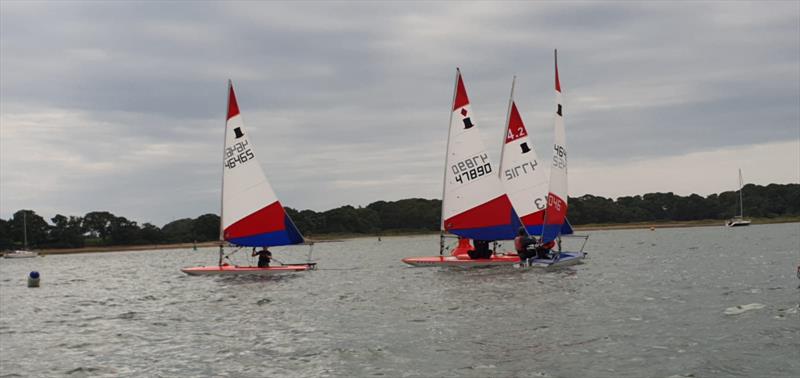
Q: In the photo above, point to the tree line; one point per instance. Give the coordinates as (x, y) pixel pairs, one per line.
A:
(99, 228)
(382, 217)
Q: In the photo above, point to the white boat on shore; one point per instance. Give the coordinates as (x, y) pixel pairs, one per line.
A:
(23, 253)
(18, 254)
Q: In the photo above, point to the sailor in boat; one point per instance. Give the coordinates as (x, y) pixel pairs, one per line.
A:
(522, 244)
(481, 250)
(543, 250)
(264, 256)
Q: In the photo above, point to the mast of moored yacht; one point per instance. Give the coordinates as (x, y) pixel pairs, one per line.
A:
(25, 230)
(446, 157)
(741, 203)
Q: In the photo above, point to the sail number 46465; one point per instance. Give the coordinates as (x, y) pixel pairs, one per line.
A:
(239, 153)
(471, 168)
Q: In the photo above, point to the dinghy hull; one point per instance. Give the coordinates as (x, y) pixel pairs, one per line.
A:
(460, 262)
(565, 259)
(245, 270)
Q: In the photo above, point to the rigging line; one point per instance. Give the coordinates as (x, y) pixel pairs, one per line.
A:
(310, 251)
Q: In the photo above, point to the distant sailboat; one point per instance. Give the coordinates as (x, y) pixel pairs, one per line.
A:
(738, 220)
(24, 252)
(474, 203)
(251, 216)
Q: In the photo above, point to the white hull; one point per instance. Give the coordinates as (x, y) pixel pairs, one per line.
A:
(737, 222)
(567, 259)
(20, 254)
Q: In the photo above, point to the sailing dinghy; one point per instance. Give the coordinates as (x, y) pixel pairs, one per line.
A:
(524, 180)
(554, 222)
(474, 203)
(251, 216)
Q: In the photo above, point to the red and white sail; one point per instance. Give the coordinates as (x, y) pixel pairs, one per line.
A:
(556, 212)
(474, 203)
(521, 171)
(251, 212)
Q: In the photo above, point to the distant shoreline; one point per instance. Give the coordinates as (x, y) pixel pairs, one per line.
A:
(328, 238)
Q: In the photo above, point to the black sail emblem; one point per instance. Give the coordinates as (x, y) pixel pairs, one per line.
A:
(559, 110)
(467, 123)
(525, 148)
(238, 132)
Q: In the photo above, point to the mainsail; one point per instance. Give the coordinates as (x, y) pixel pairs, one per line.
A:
(556, 212)
(251, 213)
(474, 204)
(522, 175)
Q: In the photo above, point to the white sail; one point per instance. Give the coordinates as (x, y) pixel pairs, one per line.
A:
(521, 171)
(556, 212)
(251, 212)
(474, 203)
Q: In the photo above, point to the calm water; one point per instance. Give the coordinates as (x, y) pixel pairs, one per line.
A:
(646, 304)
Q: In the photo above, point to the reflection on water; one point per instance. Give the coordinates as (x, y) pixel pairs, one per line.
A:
(646, 303)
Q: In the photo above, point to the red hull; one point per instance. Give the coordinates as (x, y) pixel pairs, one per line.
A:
(248, 270)
(462, 262)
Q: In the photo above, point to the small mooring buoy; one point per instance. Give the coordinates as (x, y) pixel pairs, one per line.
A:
(33, 279)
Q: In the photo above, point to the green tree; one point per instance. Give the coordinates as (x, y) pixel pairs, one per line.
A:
(151, 234)
(206, 227)
(36, 227)
(66, 232)
(124, 232)
(98, 224)
(6, 242)
(179, 231)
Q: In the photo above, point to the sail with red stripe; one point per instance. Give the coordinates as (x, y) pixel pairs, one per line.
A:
(474, 203)
(521, 171)
(251, 213)
(556, 212)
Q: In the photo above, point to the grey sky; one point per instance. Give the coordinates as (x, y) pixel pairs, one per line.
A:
(120, 106)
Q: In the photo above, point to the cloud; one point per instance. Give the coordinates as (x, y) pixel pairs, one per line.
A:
(120, 106)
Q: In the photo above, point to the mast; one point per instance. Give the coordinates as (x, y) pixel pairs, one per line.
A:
(559, 141)
(446, 156)
(741, 203)
(508, 119)
(25, 230)
(503, 145)
(222, 175)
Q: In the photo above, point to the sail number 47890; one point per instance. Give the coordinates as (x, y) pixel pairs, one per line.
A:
(239, 153)
(471, 168)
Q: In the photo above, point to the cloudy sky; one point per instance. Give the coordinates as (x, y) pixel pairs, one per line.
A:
(120, 106)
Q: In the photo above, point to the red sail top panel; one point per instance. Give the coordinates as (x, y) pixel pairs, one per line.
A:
(516, 129)
(233, 107)
(461, 94)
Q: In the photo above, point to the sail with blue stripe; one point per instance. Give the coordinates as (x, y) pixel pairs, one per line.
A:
(251, 213)
(474, 203)
(556, 212)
